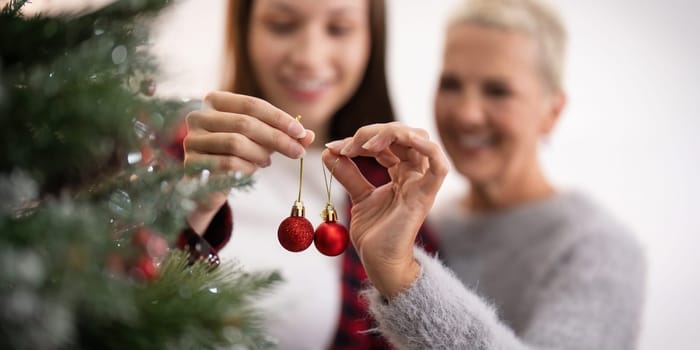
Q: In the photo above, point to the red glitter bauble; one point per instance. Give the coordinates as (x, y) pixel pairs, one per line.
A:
(295, 233)
(331, 238)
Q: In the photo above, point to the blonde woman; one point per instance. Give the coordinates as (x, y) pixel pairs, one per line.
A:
(528, 266)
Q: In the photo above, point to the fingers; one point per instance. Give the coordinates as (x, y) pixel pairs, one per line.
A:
(437, 163)
(308, 139)
(394, 143)
(221, 163)
(261, 109)
(387, 159)
(228, 144)
(347, 173)
(261, 133)
(372, 139)
(238, 133)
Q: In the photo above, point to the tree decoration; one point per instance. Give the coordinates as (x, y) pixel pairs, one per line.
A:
(331, 237)
(296, 233)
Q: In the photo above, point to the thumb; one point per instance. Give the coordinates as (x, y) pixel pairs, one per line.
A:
(347, 173)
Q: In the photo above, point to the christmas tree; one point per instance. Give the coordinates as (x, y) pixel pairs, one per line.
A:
(89, 200)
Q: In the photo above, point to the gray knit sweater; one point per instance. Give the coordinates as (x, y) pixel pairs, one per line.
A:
(555, 274)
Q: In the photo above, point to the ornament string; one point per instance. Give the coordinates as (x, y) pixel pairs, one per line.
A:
(301, 174)
(328, 183)
(301, 169)
(331, 237)
(296, 233)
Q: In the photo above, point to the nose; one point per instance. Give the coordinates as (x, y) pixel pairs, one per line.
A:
(309, 48)
(470, 109)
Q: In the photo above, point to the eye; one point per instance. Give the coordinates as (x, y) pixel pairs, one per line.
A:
(450, 84)
(339, 30)
(497, 90)
(340, 26)
(281, 27)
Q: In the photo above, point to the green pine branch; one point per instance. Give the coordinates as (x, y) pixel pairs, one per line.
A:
(72, 113)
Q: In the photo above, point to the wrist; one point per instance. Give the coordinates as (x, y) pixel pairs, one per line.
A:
(200, 218)
(400, 280)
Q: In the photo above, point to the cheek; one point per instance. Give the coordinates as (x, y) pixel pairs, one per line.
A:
(444, 124)
(352, 57)
(512, 121)
(265, 51)
(443, 108)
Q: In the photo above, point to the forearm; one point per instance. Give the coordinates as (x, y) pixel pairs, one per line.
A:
(438, 312)
(598, 309)
(200, 219)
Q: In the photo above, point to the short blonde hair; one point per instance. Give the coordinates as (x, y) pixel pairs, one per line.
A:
(530, 17)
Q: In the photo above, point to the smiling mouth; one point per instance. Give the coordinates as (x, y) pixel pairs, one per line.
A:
(476, 142)
(307, 85)
(307, 89)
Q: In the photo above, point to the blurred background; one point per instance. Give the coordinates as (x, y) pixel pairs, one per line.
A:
(629, 135)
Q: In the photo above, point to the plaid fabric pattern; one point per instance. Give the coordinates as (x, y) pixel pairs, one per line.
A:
(355, 325)
(207, 246)
(217, 234)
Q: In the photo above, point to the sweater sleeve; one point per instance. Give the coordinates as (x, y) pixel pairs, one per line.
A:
(212, 241)
(591, 300)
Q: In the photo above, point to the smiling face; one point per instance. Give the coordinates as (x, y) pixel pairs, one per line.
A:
(492, 105)
(309, 56)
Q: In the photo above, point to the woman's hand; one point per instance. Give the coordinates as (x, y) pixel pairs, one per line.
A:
(386, 219)
(238, 133)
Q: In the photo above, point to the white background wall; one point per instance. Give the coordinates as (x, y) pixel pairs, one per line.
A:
(630, 135)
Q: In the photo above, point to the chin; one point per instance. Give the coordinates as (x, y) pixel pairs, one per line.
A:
(474, 173)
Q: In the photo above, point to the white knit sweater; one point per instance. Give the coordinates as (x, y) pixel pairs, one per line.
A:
(556, 274)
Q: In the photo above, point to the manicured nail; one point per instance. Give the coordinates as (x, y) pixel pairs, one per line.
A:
(296, 130)
(296, 150)
(335, 146)
(346, 149)
(371, 143)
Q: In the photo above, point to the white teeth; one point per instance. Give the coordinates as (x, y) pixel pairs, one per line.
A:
(476, 141)
(307, 84)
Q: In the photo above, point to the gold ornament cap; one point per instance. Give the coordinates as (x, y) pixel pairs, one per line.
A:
(298, 209)
(328, 213)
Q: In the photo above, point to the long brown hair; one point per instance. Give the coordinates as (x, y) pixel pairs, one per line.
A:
(370, 103)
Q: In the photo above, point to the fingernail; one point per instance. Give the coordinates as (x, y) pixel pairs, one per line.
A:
(346, 149)
(371, 142)
(205, 105)
(296, 130)
(296, 150)
(335, 145)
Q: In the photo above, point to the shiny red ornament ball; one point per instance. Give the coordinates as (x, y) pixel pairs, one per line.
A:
(331, 238)
(145, 269)
(295, 233)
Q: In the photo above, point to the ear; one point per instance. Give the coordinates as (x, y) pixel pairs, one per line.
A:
(556, 105)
